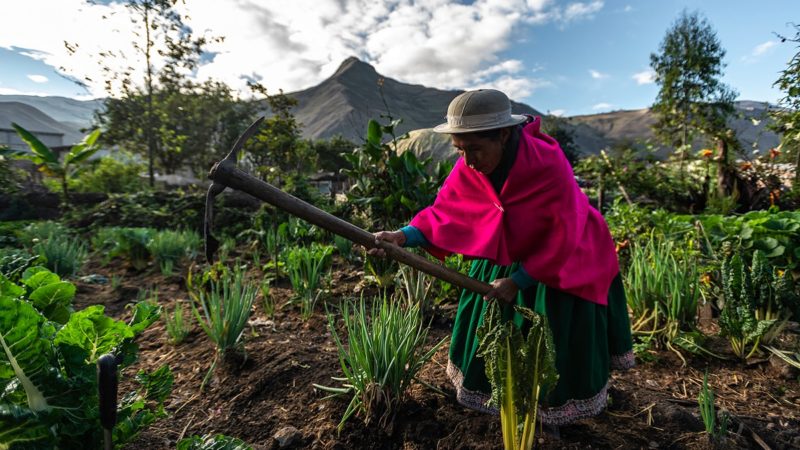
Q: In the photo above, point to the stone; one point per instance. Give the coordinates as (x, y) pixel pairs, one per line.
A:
(286, 436)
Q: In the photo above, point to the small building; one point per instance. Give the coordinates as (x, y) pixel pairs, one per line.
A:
(329, 183)
(30, 119)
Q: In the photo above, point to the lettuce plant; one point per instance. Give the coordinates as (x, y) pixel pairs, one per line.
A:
(521, 369)
(48, 383)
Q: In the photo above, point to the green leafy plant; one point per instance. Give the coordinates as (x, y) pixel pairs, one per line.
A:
(131, 243)
(170, 247)
(415, 287)
(212, 442)
(662, 291)
(48, 160)
(268, 302)
(789, 357)
(14, 262)
(306, 266)
(62, 254)
(48, 371)
(521, 369)
(758, 302)
(225, 308)
(384, 353)
(705, 399)
(177, 329)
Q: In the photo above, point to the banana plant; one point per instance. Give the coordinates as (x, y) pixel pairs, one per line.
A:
(48, 162)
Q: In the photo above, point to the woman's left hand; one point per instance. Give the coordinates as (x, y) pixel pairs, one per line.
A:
(503, 289)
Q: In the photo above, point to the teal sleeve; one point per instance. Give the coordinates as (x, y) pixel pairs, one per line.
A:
(414, 237)
(522, 279)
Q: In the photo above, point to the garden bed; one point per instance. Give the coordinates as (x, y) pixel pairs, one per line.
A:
(652, 406)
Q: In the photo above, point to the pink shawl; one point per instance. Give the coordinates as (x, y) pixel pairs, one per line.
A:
(541, 218)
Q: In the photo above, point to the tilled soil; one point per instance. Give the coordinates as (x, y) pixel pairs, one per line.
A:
(271, 390)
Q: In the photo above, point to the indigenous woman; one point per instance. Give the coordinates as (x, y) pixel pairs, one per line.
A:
(512, 204)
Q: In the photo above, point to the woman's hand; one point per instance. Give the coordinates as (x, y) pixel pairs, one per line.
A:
(504, 290)
(397, 238)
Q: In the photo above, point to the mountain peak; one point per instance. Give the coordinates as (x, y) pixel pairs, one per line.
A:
(353, 66)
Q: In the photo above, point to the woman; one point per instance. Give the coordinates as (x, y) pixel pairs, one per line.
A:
(512, 203)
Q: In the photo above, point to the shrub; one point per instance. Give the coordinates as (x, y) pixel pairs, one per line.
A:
(112, 176)
(384, 353)
(130, 243)
(305, 266)
(170, 247)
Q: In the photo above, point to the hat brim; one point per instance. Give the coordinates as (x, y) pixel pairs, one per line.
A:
(445, 128)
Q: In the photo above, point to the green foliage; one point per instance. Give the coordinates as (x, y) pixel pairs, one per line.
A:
(758, 301)
(330, 152)
(306, 267)
(14, 262)
(111, 175)
(415, 288)
(170, 247)
(705, 399)
(212, 442)
(177, 329)
(384, 353)
(556, 127)
(129, 243)
(226, 308)
(521, 369)
(386, 187)
(48, 161)
(62, 254)
(48, 370)
(688, 68)
(277, 152)
(40, 231)
(787, 116)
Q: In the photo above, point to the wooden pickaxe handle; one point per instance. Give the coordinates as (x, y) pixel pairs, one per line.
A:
(226, 174)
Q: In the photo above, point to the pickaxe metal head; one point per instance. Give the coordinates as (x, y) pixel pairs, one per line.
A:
(211, 243)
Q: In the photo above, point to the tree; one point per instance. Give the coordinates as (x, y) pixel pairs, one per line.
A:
(692, 100)
(278, 150)
(168, 51)
(787, 117)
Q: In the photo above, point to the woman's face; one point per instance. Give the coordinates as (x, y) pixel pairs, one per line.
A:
(480, 153)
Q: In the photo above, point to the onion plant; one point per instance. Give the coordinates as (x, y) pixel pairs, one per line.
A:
(384, 352)
(63, 254)
(223, 312)
(708, 412)
(306, 266)
(662, 291)
(177, 329)
(415, 287)
(521, 369)
(169, 247)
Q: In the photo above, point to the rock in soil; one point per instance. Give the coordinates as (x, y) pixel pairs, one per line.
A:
(286, 436)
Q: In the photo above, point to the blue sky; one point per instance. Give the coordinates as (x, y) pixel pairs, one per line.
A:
(565, 57)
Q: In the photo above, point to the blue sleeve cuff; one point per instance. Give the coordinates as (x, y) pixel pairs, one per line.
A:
(414, 237)
(522, 279)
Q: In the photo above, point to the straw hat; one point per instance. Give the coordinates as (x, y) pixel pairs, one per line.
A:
(484, 109)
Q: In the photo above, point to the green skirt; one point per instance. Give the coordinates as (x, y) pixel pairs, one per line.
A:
(590, 340)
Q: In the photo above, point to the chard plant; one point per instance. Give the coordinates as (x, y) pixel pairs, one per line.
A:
(758, 303)
(48, 368)
(223, 312)
(705, 399)
(62, 254)
(384, 353)
(212, 442)
(306, 267)
(125, 242)
(521, 369)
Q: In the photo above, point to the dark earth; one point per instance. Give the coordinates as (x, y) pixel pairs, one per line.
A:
(270, 392)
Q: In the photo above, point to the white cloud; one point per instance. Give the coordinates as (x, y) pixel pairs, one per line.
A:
(597, 75)
(602, 106)
(558, 112)
(38, 78)
(578, 11)
(628, 8)
(759, 50)
(645, 77)
(294, 45)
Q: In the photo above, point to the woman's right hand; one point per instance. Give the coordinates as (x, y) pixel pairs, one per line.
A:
(397, 238)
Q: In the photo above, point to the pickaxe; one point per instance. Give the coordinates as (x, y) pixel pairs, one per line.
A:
(225, 174)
